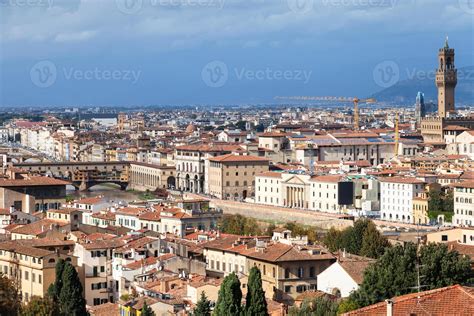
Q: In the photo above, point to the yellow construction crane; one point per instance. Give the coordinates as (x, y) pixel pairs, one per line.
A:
(355, 100)
(397, 134)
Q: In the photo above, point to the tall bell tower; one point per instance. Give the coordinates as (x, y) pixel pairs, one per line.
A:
(446, 80)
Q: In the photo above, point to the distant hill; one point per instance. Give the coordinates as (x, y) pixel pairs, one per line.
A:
(405, 91)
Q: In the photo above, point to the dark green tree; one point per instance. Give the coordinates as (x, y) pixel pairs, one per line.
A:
(71, 301)
(435, 202)
(55, 288)
(373, 242)
(230, 297)
(43, 306)
(393, 274)
(347, 305)
(448, 202)
(203, 306)
(333, 239)
(146, 310)
(255, 303)
(441, 267)
(320, 306)
(270, 229)
(352, 236)
(10, 303)
(240, 225)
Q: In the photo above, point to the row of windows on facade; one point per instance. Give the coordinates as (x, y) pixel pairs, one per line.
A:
(20, 256)
(395, 201)
(384, 215)
(465, 190)
(464, 212)
(25, 275)
(463, 200)
(400, 186)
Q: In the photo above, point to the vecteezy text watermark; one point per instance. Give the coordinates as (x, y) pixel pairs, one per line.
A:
(45, 73)
(305, 6)
(134, 6)
(27, 3)
(216, 73)
(388, 73)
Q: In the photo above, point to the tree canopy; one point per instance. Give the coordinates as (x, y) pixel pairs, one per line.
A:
(239, 225)
(255, 302)
(396, 273)
(230, 297)
(203, 306)
(9, 298)
(362, 239)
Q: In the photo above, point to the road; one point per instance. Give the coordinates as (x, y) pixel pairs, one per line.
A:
(303, 216)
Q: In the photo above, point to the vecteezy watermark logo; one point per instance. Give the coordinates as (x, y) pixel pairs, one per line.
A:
(467, 6)
(361, 3)
(215, 74)
(26, 3)
(300, 6)
(134, 6)
(386, 74)
(129, 6)
(43, 74)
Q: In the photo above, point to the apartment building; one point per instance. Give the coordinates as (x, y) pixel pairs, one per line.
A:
(396, 197)
(32, 265)
(324, 193)
(287, 270)
(232, 176)
(191, 164)
(463, 204)
(95, 269)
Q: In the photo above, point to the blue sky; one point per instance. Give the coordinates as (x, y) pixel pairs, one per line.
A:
(168, 52)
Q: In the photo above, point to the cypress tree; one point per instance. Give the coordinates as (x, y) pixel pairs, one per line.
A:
(203, 307)
(146, 310)
(55, 288)
(255, 301)
(230, 297)
(71, 301)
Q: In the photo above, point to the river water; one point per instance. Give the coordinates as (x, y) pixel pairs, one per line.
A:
(111, 192)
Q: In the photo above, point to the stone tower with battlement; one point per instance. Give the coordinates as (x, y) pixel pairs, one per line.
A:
(446, 80)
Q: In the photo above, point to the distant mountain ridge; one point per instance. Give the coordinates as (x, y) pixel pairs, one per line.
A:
(405, 90)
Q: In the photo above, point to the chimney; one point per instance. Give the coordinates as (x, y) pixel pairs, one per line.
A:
(12, 209)
(389, 307)
(344, 253)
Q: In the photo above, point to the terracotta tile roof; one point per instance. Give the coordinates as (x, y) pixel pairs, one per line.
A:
(20, 248)
(463, 249)
(39, 227)
(355, 268)
(150, 216)
(33, 181)
(4, 211)
(270, 174)
(238, 158)
(103, 244)
(209, 147)
(451, 300)
(109, 216)
(148, 261)
(467, 184)
(133, 211)
(105, 309)
(136, 244)
(402, 180)
(273, 134)
(278, 252)
(327, 178)
(90, 200)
